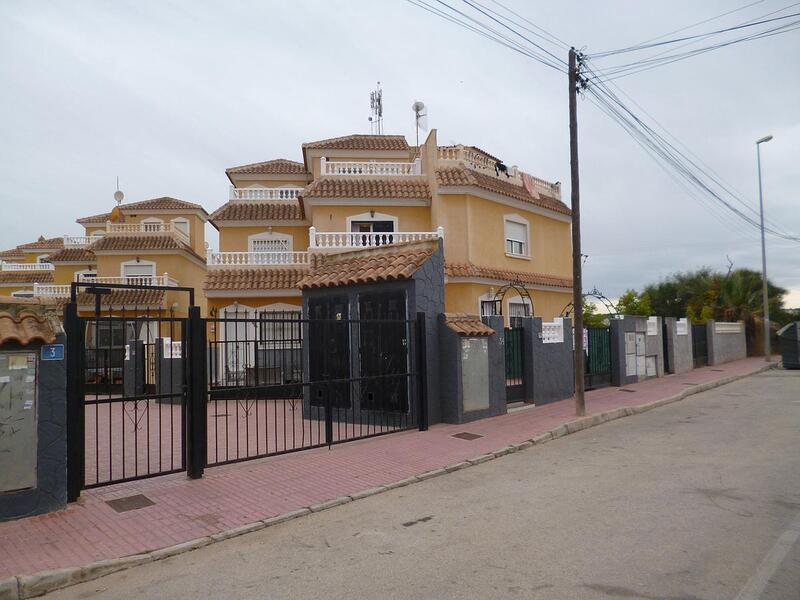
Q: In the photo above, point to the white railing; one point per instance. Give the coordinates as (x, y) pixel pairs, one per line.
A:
(729, 327)
(146, 228)
(28, 267)
(366, 168)
(475, 159)
(78, 241)
(46, 290)
(265, 193)
(145, 280)
(682, 327)
(250, 259)
(321, 240)
(553, 333)
(652, 326)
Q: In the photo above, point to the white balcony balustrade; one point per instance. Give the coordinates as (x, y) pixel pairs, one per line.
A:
(255, 259)
(144, 280)
(78, 241)
(331, 240)
(46, 290)
(369, 168)
(147, 228)
(41, 267)
(265, 193)
(480, 161)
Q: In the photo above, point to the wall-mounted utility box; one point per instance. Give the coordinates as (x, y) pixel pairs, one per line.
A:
(18, 421)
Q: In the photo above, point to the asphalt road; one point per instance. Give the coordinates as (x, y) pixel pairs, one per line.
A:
(696, 500)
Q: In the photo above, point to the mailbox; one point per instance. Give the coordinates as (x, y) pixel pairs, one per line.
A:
(18, 421)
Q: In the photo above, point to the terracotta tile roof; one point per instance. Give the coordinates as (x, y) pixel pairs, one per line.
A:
(392, 262)
(72, 255)
(470, 270)
(259, 278)
(125, 298)
(469, 325)
(26, 277)
(26, 326)
(279, 166)
(163, 203)
(461, 176)
(12, 254)
(236, 210)
(101, 218)
(138, 242)
(361, 142)
(44, 244)
(373, 187)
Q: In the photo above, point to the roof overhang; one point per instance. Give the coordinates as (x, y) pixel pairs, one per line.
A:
(471, 190)
(293, 292)
(498, 281)
(325, 201)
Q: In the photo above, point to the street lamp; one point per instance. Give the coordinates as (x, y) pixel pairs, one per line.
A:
(765, 297)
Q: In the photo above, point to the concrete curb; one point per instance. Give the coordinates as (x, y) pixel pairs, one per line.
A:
(38, 584)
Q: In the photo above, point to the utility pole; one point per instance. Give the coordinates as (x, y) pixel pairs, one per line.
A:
(577, 286)
(764, 292)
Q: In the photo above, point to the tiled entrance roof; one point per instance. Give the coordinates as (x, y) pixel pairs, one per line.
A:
(236, 210)
(469, 325)
(279, 166)
(83, 255)
(26, 277)
(361, 142)
(127, 299)
(505, 275)
(463, 177)
(396, 261)
(25, 325)
(260, 278)
(373, 187)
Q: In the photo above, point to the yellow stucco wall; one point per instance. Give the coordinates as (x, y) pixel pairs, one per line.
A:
(234, 239)
(197, 230)
(334, 218)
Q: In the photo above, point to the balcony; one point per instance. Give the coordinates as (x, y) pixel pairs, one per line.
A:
(480, 161)
(28, 267)
(47, 290)
(369, 168)
(335, 240)
(256, 259)
(147, 228)
(265, 193)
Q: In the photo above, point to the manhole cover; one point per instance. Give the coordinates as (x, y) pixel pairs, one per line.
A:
(465, 435)
(130, 503)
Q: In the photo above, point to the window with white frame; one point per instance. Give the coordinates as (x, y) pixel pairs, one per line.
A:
(270, 242)
(516, 233)
(42, 258)
(142, 272)
(85, 274)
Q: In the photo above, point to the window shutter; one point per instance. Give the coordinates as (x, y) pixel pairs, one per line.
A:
(516, 231)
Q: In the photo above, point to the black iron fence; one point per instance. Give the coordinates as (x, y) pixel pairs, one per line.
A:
(597, 359)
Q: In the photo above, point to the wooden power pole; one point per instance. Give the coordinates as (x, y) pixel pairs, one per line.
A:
(577, 287)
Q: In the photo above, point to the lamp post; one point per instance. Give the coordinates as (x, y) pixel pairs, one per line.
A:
(764, 294)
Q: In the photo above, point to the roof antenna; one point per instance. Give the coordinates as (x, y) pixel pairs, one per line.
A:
(376, 107)
(118, 195)
(420, 117)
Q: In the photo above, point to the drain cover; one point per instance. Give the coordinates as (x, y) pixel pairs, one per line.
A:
(627, 390)
(465, 435)
(687, 383)
(130, 503)
(719, 370)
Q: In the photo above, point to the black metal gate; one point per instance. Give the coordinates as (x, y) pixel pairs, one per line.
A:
(699, 345)
(126, 388)
(321, 381)
(514, 343)
(665, 346)
(597, 357)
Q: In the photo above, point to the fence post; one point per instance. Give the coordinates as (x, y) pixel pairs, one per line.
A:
(196, 423)
(422, 373)
(75, 402)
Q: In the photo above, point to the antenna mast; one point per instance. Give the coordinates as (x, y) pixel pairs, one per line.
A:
(376, 109)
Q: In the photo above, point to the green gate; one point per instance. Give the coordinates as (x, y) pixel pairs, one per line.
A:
(597, 357)
(515, 358)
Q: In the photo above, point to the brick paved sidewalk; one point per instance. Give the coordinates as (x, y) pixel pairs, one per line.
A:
(241, 493)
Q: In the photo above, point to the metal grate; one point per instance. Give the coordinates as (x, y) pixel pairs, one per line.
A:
(130, 503)
(465, 435)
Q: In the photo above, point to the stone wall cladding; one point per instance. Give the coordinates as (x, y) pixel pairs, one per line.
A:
(50, 493)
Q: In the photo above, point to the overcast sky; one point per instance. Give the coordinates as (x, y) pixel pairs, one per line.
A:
(166, 95)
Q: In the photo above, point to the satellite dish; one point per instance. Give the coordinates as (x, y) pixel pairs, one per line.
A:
(421, 117)
(418, 106)
(118, 196)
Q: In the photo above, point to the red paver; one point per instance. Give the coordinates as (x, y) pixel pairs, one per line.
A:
(232, 495)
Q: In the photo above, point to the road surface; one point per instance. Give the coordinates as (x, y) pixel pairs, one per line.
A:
(696, 500)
